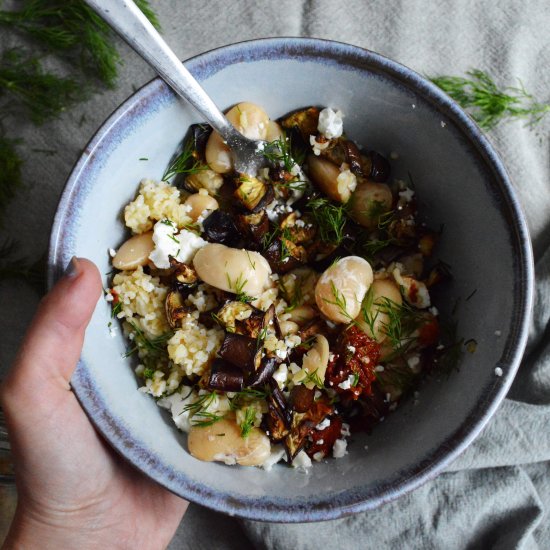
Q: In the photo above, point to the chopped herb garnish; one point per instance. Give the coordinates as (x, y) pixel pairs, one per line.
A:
(339, 301)
(329, 218)
(153, 346)
(237, 287)
(314, 378)
(116, 309)
(248, 421)
(184, 163)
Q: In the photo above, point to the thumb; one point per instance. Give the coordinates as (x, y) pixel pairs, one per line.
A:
(53, 343)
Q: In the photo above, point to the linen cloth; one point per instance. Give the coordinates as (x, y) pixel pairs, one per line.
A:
(497, 494)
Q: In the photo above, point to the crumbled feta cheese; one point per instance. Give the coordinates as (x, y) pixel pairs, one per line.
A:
(330, 123)
(346, 384)
(340, 448)
(351, 349)
(112, 252)
(413, 106)
(346, 182)
(294, 368)
(406, 195)
(379, 368)
(498, 371)
(323, 425)
(277, 453)
(176, 404)
(109, 297)
(344, 432)
(281, 375)
(498, 333)
(318, 146)
(168, 242)
(434, 311)
(301, 461)
(318, 456)
(413, 361)
(443, 124)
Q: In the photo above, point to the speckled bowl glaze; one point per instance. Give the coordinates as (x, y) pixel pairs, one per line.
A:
(461, 183)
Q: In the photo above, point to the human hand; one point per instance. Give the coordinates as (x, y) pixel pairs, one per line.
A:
(73, 490)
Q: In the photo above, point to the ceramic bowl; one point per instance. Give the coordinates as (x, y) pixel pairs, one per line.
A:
(461, 183)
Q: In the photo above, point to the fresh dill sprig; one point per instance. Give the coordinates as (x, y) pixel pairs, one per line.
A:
(329, 218)
(26, 87)
(202, 419)
(246, 396)
(184, 163)
(153, 346)
(280, 152)
(73, 30)
(314, 378)
(248, 421)
(487, 103)
(237, 288)
(339, 301)
(199, 413)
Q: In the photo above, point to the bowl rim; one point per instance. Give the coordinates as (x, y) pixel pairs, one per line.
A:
(347, 502)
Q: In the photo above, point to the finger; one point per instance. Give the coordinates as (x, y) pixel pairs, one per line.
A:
(53, 342)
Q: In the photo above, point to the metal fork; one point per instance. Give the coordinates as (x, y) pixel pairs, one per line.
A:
(128, 21)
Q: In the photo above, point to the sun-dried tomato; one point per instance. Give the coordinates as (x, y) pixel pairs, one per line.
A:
(428, 333)
(357, 356)
(322, 441)
(115, 296)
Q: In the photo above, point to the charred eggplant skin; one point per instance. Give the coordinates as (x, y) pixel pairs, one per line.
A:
(225, 377)
(220, 227)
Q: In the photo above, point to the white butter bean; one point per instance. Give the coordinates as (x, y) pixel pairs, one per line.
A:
(134, 252)
(223, 442)
(342, 287)
(316, 360)
(324, 175)
(369, 201)
(202, 204)
(250, 120)
(384, 295)
(233, 270)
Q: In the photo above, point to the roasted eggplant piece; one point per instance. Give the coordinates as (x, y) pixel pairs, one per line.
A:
(301, 398)
(280, 256)
(243, 318)
(184, 276)
(343, 150)
(220, 227)
(376, 167)
(296, 439)
(261, 377)
(225, 377)
(253, 193)
(305, 120)
(196, 139)
(254, 226)
(279, 416)
(242, 351)
(175, 308)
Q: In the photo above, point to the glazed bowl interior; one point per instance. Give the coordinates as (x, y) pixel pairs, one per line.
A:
(461, 186)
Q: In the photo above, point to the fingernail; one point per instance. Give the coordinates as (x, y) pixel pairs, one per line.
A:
(72, 268)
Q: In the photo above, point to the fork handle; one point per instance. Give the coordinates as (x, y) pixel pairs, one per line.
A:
(128, 21)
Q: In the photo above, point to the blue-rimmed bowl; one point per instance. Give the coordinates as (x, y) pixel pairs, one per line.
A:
(461, 183)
